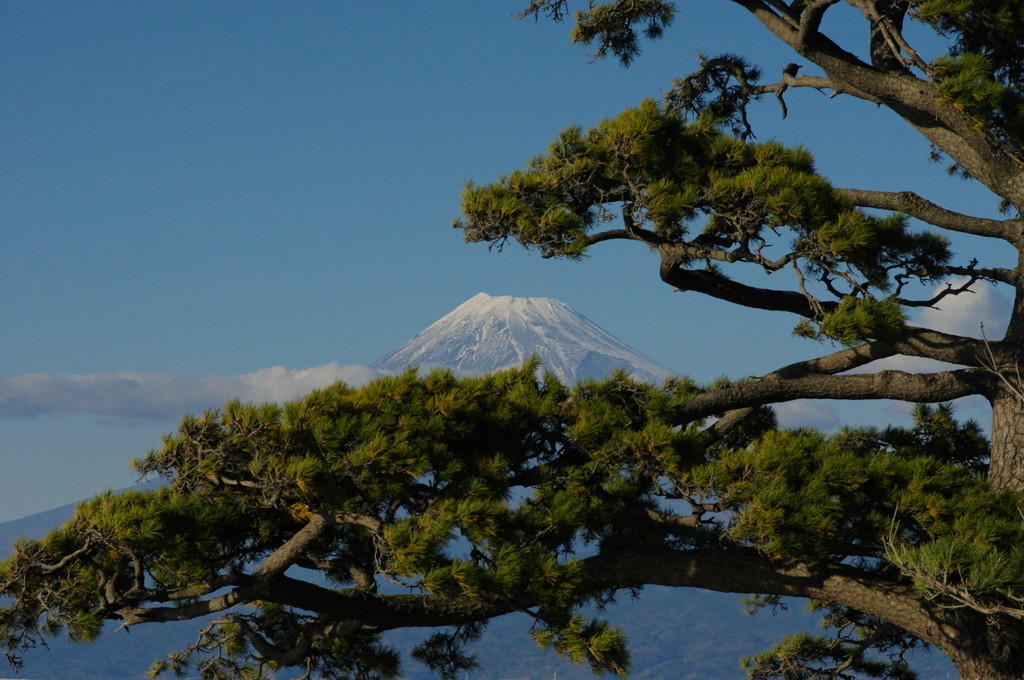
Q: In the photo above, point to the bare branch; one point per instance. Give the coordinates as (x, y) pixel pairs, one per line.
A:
(188, 610)
(948, 290)
(609, 235)
(310, 634)
(997, 274)
(730, 571)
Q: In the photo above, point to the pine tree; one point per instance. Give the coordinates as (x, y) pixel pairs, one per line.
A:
(686, 178)
(285, 529)
(289, 524)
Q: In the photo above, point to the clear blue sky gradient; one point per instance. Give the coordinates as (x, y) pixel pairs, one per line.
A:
(198, 188)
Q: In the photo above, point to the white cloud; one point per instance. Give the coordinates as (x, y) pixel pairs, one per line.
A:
(961, 314)
(134, 396)
(281, 384)
(807, 413)
(964, 313)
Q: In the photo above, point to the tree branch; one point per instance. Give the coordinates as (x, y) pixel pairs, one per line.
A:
(915, 341)
(278, 561)
(981, 154)
(899, 385)
(310, 634)
(717, 286)
(810, 19)
(997, 274)
(189, 610)
(910, 203)
(724, 425)
(736, 570)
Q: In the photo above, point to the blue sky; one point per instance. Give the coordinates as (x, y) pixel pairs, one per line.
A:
(210, 198)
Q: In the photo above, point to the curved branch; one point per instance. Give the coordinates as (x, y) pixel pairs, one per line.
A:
(810, 19)
(734, 571)
(915, 341)
(278, 561)
(910, 203)
(838, 362)
(912, 340)
(634, 233)
(132, 616)
(899, 385)
(67, 559)
(717, 286)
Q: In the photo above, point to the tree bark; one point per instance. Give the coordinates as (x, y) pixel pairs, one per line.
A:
(980, 154)
(973, 668)
(986, 652)
(1006, 469)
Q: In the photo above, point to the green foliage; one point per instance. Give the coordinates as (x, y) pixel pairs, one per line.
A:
(803, 495)
(855, 320)
(480, 489)
(988, 28)
(808, 657)
(968, 82)
(877, 245)
(663, 174)
(909, 501)
(612, 26)
(587, 641)
(681, 170)
(492, 490)
(935, 430)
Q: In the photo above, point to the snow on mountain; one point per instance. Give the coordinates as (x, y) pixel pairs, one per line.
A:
(488, 333)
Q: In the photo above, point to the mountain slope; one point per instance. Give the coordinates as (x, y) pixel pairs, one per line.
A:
(488, 333)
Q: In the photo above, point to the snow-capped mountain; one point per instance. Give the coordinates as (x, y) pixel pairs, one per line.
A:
(488, 333)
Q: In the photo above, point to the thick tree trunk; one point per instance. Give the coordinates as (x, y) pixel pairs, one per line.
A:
(1000, 663)
(974, 669)
(1006, 470)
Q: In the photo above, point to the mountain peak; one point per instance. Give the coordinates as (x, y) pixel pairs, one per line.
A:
(488, 333)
